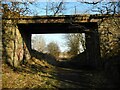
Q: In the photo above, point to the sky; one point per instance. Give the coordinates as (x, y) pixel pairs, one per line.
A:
(70, 8)
(81, 8)
(38, 8)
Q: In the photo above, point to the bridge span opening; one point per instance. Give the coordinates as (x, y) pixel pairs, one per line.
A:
(91, 53)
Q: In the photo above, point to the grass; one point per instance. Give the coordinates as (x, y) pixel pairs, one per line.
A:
(27, 77)
(23, 79)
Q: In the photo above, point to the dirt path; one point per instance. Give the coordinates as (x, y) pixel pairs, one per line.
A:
(71, 78)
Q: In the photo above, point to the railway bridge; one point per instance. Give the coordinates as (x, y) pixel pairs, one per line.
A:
(17, 33)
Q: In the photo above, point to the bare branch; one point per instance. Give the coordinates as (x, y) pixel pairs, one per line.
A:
(92, 2)
(58, 8)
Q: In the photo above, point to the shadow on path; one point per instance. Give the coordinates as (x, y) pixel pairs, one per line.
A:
(71, 78)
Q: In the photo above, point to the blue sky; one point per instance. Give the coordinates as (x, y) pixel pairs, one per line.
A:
(39, 8)
(81, 8)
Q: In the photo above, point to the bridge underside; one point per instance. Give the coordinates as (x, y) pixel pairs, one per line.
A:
(39, 28)
(90, 30)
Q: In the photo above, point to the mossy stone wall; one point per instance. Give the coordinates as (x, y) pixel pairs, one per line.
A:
(14, 47)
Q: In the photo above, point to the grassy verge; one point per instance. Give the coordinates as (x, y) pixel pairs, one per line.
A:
(30, 76)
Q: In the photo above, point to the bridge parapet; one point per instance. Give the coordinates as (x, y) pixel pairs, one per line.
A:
(60, 19)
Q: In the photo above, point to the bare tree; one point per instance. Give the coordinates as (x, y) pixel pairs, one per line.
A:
(21, 8)
(38, 43)
(103, 7)
(54, 8)
(107, 8)
(74, 41)
(53, 49)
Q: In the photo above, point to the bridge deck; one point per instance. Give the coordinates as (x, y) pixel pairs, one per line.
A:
(59, 19)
